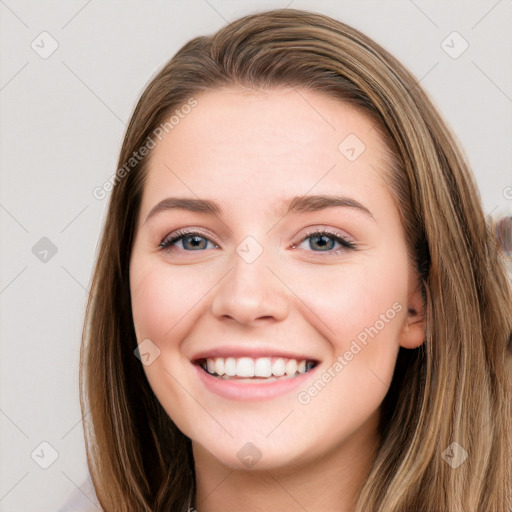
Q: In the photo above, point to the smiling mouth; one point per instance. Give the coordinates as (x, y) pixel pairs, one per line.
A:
(266, 369)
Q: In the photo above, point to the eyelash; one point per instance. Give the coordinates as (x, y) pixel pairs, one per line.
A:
(345, 244)
(166, 244)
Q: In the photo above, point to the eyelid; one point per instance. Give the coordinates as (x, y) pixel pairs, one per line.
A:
(335, 232)
(179, 234)
(346, 242)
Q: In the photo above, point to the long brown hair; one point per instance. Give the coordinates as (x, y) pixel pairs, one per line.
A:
(455, 388)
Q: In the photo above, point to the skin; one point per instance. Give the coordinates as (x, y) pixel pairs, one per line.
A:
(249, 151)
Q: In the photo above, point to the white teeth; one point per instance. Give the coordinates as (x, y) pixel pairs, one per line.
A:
(278, 367)
(291, 367)
(262, 367)
(245, 367)
(230, 366)
(219, 366)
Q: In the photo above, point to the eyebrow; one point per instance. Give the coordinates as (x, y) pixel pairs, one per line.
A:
(297, 204)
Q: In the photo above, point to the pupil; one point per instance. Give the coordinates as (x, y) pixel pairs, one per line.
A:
(325, 241)
(195, 240)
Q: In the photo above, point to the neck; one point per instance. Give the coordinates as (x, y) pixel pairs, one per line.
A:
(330, 482)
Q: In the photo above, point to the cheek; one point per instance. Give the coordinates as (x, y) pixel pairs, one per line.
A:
(364, 312)
(360, 309)
(344, 302)
(161, 301)
(161, 305)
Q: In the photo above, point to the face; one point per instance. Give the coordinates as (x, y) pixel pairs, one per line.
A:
(302, 304)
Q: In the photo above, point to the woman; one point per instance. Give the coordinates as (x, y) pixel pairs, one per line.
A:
(297, 304)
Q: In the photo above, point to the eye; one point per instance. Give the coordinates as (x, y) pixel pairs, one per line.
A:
(192, 240)
(325, 241)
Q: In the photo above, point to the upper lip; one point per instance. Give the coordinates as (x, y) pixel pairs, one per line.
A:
(254, 352)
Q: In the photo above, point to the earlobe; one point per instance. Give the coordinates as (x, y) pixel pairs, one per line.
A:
(413, 330)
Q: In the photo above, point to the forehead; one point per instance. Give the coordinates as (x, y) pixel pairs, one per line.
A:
(257, 146)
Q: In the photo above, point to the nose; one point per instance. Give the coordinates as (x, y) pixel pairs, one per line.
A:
(250, 293)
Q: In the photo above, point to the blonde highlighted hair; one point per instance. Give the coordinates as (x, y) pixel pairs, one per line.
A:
(455, 388)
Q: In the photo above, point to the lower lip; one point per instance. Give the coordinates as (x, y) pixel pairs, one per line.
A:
(237, 390)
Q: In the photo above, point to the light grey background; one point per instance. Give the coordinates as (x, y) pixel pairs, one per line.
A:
(62, 122)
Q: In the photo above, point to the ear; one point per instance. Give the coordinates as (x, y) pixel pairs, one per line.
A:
(412, 334)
